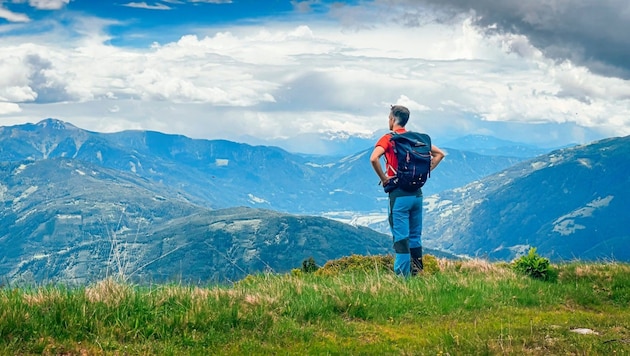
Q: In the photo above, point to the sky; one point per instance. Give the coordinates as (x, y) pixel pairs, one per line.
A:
(546, 72)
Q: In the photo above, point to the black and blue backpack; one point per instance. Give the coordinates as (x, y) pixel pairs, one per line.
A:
(413, 151)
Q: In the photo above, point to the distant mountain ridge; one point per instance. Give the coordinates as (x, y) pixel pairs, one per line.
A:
(75, 222)
(571, 203)
(334, 144)
(220, 174)
(492, 146)
(77, 205)
(341, 143)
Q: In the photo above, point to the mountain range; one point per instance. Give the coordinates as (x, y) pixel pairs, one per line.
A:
(340, 143)
(569, 204)
(492, 146)
(222, 174)
(78, 205)
(77, 223)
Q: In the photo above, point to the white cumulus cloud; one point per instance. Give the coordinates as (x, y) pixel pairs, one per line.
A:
(12, 16)
(48, 4)
(278, 79)
(144, 5)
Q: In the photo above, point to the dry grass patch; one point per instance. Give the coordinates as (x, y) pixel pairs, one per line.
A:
(43, 296)
(601, 270)
(109, 291)
(477, 265)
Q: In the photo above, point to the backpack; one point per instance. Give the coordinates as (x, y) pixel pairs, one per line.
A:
(413, 152)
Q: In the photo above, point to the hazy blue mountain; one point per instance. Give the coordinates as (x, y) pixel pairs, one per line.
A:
(77, 205)
(221, 174)
(492, 146)
(66, 220)
(571, 203)
(335, 144)
(351, 179)
(341, 144)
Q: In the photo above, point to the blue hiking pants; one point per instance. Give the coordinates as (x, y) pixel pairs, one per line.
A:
(405, 222)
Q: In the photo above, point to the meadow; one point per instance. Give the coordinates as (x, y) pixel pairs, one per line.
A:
(351, 306)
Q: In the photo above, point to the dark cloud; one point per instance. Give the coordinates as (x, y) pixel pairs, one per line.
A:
(48, 90)
(593, 33)
(314, 90)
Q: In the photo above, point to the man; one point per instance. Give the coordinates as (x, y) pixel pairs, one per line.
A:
(405, 208)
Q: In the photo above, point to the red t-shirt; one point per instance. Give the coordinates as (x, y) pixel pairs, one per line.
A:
(391, 163)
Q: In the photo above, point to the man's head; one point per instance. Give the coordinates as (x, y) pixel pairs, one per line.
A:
(398, 115)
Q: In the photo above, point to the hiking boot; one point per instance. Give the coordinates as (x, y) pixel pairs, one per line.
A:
(417, 267)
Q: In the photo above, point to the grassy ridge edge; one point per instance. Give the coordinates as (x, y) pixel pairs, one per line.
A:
(350, 306)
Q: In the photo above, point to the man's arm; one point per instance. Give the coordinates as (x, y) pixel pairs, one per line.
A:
(375, 159)
(436, 156)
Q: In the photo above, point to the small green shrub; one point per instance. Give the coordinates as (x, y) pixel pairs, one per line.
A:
(535, 266)
(309, 265)
(431, 265)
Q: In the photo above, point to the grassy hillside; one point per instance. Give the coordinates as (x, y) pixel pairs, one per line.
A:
(353, 305)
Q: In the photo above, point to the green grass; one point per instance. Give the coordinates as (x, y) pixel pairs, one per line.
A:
(352, 306)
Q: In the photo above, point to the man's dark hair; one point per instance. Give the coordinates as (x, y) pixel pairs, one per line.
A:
(401, 114)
